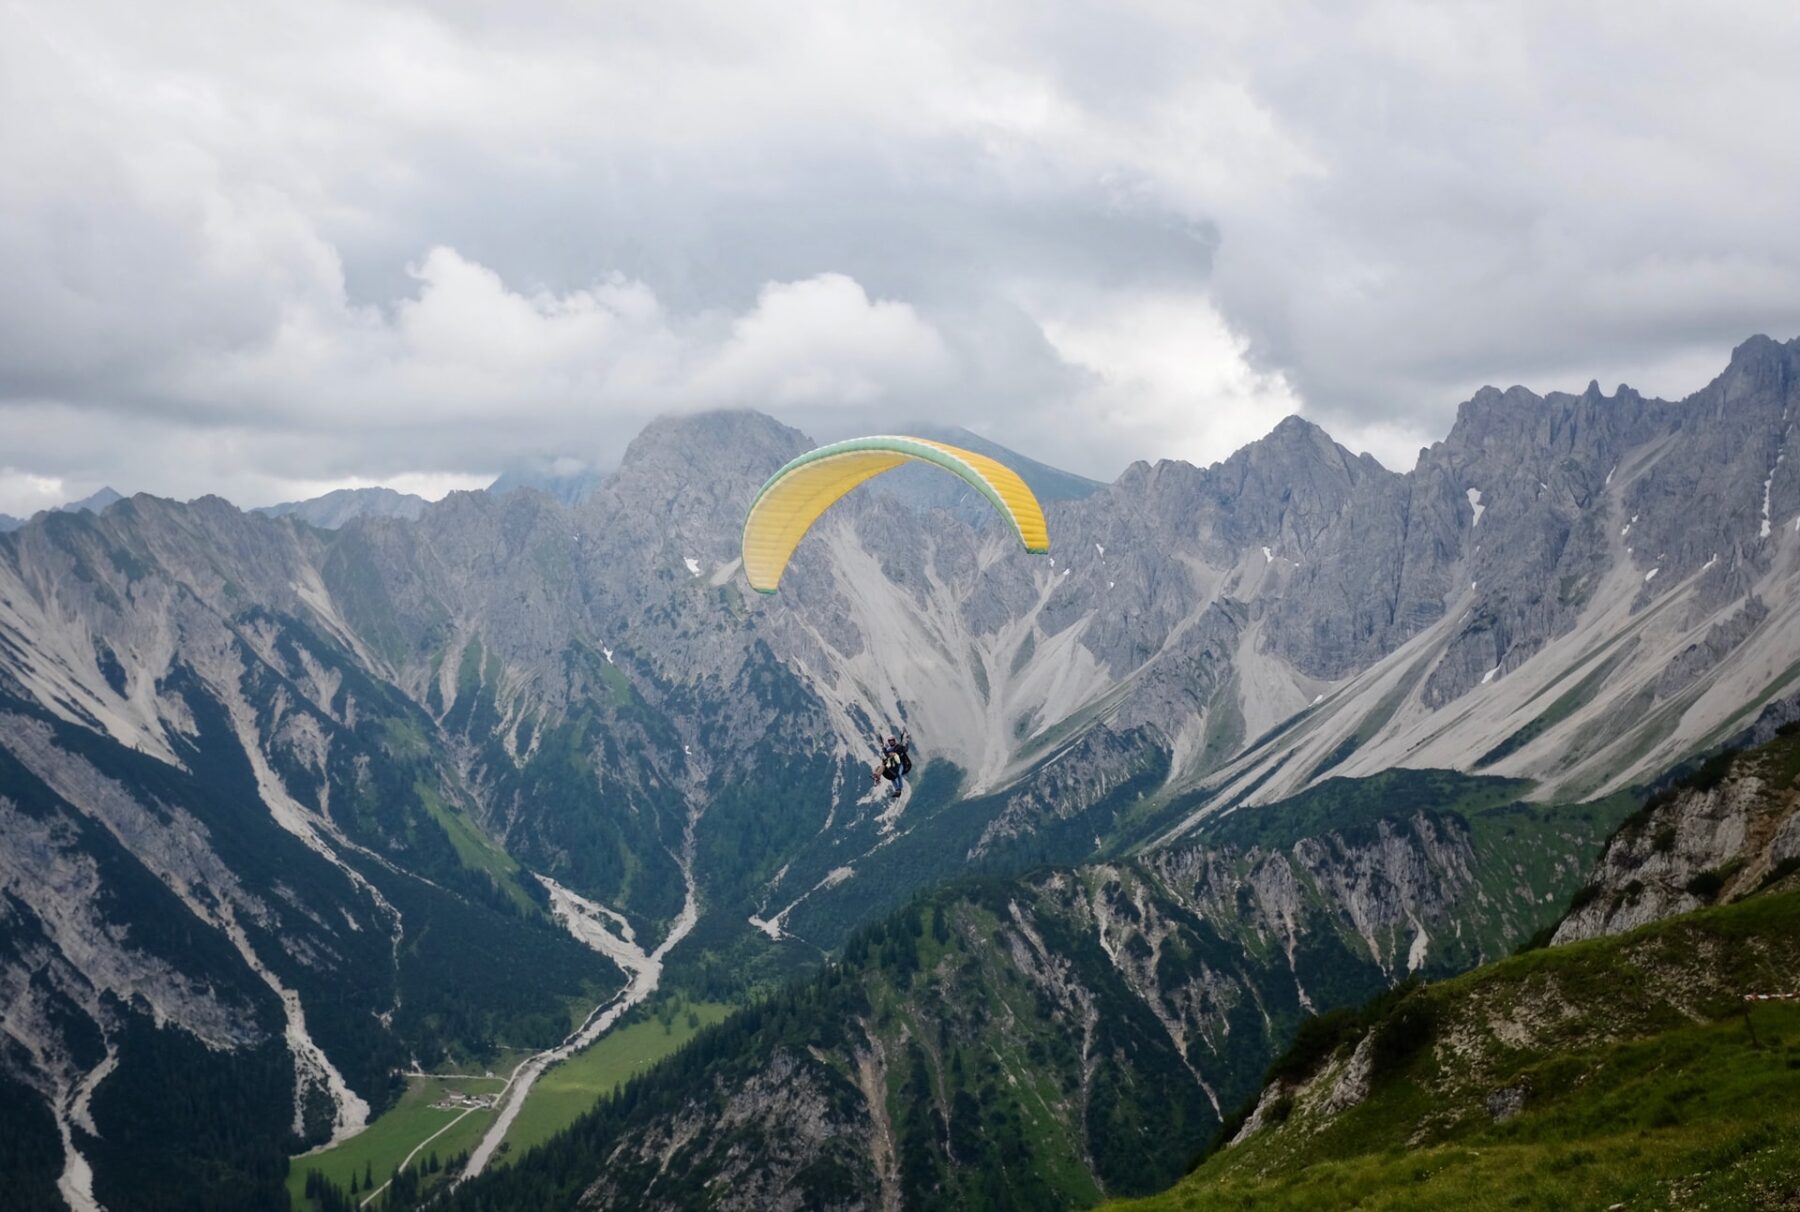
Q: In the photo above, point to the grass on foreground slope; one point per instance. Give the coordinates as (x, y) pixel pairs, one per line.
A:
(1642, 1084)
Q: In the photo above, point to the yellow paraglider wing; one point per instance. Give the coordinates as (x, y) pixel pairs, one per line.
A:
(799, 493)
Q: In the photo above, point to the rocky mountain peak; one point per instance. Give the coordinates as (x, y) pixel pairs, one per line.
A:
(94, 503)
(1759, 367)
(1295, 446)
(1760, 347)
(1296, 475)
(735, 443)
(1491, 411)
(1295, 427)
(334, 509)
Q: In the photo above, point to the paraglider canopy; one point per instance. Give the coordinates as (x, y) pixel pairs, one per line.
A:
(796, 496)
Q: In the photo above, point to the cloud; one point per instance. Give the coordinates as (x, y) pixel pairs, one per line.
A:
(823, 343)
(314, 243)
(470, 376)
(433, 486)
(23, 494)
(1166, 373)
(467, 350)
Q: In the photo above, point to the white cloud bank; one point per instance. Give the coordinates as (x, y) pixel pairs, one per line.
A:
(253, 249)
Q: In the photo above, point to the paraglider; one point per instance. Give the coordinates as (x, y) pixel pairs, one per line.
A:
(797, 495)
(895, 763)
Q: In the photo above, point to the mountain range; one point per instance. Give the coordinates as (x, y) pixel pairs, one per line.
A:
(289, 810)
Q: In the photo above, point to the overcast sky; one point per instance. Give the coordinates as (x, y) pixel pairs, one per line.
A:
(265, 250)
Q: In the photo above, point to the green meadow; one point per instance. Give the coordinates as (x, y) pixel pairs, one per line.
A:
(573, 1087)
(384, 1144)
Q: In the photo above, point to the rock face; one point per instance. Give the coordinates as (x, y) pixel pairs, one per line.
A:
(1730, 830)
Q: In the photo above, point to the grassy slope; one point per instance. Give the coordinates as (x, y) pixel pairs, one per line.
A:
(563, 1094)
(1645, 1085)
(476, 850)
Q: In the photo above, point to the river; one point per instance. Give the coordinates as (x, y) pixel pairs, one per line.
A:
(610, 935)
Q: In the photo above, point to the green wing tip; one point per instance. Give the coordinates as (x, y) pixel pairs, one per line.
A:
(768, 593)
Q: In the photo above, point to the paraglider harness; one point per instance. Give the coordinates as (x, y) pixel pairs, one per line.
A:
(896, 762)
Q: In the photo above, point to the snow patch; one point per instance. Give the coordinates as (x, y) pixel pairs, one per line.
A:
(1474, 495)
(1711, 562)
(693, 565)
(1609, 475)
(1100, 549)
(1489, 675)
(1268, 556)
(1651, 575)
(1767, 485)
